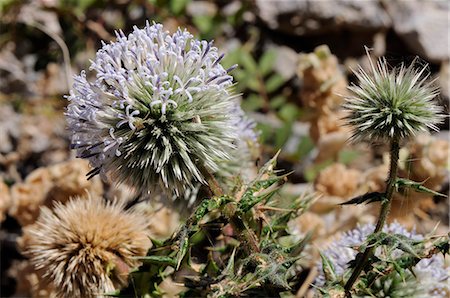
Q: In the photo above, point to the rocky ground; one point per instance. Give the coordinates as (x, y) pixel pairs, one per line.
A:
(295, 57)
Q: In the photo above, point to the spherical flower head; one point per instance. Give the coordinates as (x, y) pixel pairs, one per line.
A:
(432, 275)
(87, 247)
(392, 103)
(160, 111)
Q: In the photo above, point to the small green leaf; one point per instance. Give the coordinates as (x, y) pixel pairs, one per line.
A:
(253, 103)
(328, 269)
(158, 260)
(184, 247)
(253, 83)
(156, 243)
(305, 146)
(282, 135)
(288, 112)
(277, 101)
(177, 6)
(266, 62)
(347, 156)
(229, 270)
(274, 82)
(203, 22)
(248, 62)
(417, 186)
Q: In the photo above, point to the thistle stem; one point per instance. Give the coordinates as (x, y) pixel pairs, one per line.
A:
(384, 212)
(245, 235)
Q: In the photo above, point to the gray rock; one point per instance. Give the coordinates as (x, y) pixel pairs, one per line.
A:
(305, 17)
(444, 80)
(423, 25)
(286, 61)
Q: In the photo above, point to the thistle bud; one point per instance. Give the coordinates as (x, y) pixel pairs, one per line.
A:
(392, 103)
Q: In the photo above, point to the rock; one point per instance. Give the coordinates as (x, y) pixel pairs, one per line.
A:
(423, 26)
(305, 17)
(444, 77)
(9, 128)
(285, 62)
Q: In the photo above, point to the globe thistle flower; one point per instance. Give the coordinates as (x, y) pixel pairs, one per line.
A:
(432, 275)
(392, 103)
(160, 111)
(86, 247)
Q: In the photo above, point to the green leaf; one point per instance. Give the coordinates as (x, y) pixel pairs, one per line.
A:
(158, 260)
(328, 269)
(305, 146)
(229, 270)
(288, 112)
(417, 186)
(347, 156)
(282, 135)
(365, 198)
(248, 62)
(253, 103)
(178, 6)
(184, 247)
(274, 82)
(203, 23)
(277, 101)
(395, 241)
(253, 83)
(297, 248)
(116, 293)
(156, 243)
(266, 62)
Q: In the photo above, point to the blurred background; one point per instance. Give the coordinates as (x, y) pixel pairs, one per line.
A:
(295, 59)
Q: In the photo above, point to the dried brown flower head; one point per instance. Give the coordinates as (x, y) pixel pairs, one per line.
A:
(86, 247)
(337, 180)
(45, 185)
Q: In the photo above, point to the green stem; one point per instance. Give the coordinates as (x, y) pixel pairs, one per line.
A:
(245, 235)
(384, 212)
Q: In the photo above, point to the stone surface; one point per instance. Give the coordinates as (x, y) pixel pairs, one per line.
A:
(304, 17)
(423, 25)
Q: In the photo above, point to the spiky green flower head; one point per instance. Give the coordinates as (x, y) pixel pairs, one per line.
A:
(159, 113)
(390, 103)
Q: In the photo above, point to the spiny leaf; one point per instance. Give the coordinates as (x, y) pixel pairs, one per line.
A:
(184, 247)
(158, 260)
(229, 270)
(156, 243)
(365, 198)
(443, 245)
(297, 248)
(417, 186)
(395, 241)
(328, 268)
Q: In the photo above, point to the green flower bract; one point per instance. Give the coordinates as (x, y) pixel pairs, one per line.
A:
(392, 103)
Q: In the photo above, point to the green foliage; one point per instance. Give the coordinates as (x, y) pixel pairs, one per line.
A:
(261, 85)
(389, 273)
(227, 268)
(403, 184)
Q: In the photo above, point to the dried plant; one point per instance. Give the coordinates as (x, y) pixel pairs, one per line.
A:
(86, 247)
